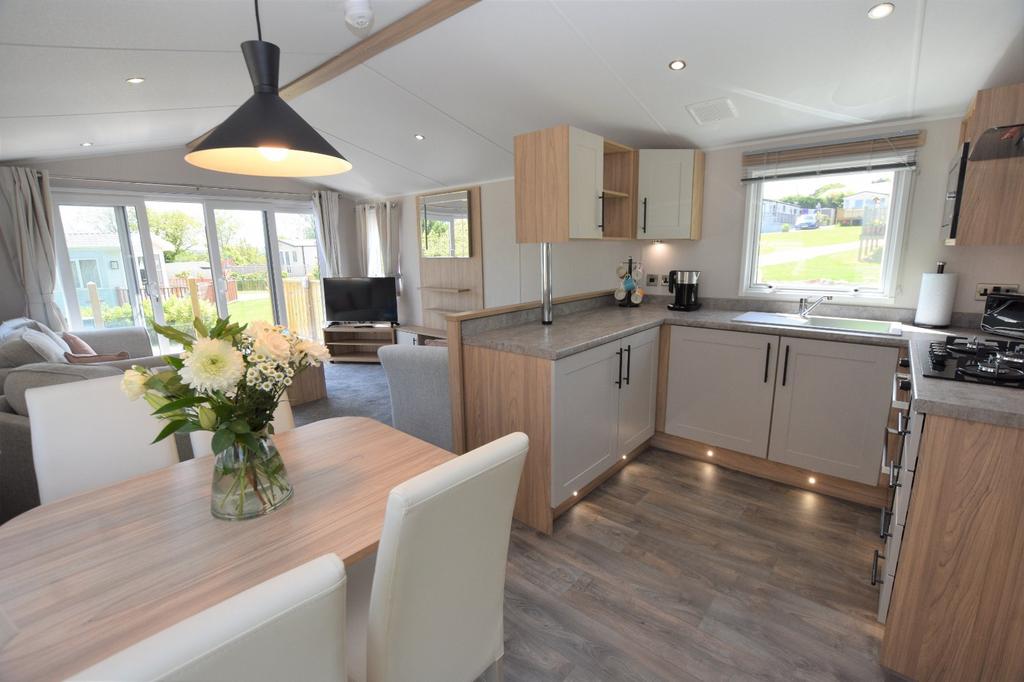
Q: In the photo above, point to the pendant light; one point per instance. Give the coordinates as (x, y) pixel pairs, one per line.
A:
(265, 136)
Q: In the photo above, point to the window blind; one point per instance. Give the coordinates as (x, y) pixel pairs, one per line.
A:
(896, 151)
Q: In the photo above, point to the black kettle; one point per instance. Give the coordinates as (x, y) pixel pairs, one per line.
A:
(683, 283)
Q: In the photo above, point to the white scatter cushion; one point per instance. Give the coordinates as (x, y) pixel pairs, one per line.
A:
(25, 346)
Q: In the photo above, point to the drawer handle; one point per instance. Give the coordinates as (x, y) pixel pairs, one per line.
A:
(875, 577)
(902, 426)
(883, 526)
(894, 479)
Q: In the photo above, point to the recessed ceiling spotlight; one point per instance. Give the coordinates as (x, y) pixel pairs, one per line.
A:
(677, 65)
(419, 137)
(87, 144)
(881, 10)
(134, 80)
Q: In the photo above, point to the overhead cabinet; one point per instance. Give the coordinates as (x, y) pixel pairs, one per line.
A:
(817, 405)
(670, 193)
(572, 184)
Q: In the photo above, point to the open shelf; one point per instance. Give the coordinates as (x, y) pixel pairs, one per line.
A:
(446, 290)
(612, 194)
(443, 311)
(355, 357)
(357, 343)
(349, 343)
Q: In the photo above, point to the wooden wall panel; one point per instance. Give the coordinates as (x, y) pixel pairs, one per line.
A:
(505, 392)
(957, 610)
(451, 285)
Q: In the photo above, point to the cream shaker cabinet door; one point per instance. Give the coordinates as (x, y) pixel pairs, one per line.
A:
(720, 386)
(586, 183)
(639, 388)
(831, 407)
(665, 194)
(584, 424)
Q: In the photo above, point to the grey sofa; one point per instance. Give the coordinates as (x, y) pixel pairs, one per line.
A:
(18, 490)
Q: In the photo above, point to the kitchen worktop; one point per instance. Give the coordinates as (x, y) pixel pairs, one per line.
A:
(571, 334)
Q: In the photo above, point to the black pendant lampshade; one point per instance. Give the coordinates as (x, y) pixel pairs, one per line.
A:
(265, 136)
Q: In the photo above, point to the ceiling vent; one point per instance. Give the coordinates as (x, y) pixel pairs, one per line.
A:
(712, 111)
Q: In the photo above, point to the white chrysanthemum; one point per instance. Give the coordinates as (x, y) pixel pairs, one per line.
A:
(212, 365)
(316, 352)
(273, 345)
(133, 384)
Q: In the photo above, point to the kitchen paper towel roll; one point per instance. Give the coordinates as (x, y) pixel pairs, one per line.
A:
(935, 302)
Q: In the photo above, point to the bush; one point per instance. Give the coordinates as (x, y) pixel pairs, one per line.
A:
(786, 227)
(177, 314)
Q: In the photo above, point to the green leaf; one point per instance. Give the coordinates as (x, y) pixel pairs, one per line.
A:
(239, 426)
(174, 334)
(250, 440)
(174, 361)
(201, 329)
(222, 440)
(180, 403)
(218, 328)
(169, 429)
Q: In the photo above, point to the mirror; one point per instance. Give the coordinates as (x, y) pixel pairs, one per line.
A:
(444, 225)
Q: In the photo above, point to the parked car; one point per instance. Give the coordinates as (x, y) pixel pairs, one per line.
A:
(806, 222)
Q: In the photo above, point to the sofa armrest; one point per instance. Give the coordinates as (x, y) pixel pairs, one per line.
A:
(135, 340)
(18, 489)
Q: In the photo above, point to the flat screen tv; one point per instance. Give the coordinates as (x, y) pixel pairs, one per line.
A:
(360, 299)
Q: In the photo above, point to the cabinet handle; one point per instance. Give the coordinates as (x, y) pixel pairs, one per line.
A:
(875, 578)
(894, 479)
(767, 360)
(902, 425)
(600, 225)
(645, 216)
(883, 523)
(629, 362)
(785, 366)
(618, 382)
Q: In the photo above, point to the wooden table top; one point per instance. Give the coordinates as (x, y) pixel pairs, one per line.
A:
(85, 577)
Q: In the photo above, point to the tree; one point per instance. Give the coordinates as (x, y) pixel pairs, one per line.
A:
(180, 230)
(826, 196)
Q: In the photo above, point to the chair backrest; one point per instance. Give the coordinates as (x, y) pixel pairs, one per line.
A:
(418, 383)
(438, 585)
(290, 627)
(88, 434)
(284, 420)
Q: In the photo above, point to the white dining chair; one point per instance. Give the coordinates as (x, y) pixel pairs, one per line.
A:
(284, 420)
(88, 434)
(291, 627)
(435, 611)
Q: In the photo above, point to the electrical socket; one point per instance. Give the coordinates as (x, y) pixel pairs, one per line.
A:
(652, 280)
(664, 280)
(983, 290)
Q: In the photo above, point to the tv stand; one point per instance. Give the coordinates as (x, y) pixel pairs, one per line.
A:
(358, 342)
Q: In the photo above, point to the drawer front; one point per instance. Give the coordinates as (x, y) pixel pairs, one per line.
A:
(892, 550)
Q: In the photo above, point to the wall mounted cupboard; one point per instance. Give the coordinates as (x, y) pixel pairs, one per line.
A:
(670, 193)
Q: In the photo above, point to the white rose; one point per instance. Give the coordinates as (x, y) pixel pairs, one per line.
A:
(316, 352)
(257, 327)
(272, 344)
(133, 384)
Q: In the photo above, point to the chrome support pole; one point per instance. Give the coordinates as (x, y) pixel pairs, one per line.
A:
(547, 316)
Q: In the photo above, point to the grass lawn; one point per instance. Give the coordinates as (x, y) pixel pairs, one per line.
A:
(797, 239)
(834, 267)
(247, 310)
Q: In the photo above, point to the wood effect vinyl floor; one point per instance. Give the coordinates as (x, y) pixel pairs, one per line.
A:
(677, 569)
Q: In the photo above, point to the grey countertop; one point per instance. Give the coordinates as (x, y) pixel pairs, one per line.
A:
(571, 334)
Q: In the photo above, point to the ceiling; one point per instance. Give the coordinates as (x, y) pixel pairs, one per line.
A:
(499, 68)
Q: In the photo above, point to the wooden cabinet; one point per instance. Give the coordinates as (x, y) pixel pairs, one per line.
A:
(602, 409)
(670, 192)
(831, 407)
(352, 343)
(572, 184)
(720, 386)
(992, 204)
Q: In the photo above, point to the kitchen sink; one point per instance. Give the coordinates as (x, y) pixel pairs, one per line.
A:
(841, 324)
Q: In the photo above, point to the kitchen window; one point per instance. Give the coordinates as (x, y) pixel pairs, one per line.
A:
(831, 225)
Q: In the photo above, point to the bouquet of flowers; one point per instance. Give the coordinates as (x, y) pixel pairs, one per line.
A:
(229, 380)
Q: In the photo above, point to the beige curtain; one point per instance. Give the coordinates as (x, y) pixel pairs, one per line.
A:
(364, 220)
(27, 238)
(329, 211)
(389, 214)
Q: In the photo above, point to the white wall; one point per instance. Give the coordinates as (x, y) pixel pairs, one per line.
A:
(512, 272)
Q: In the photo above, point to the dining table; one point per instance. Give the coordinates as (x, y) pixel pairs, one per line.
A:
(84, 577)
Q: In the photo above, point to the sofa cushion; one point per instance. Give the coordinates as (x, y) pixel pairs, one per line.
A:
(11, 326)
(94, 358)
(15, 323)
(26, 345)
(47, 374)
(76, 345)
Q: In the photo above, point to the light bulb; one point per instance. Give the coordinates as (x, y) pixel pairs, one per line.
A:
(881, 10)
(273, 153)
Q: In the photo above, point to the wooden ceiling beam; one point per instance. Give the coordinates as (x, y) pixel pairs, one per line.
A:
(413, 23)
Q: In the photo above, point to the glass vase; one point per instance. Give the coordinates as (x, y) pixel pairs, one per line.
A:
(248, 483)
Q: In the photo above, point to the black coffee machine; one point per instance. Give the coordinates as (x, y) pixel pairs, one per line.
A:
(683, 283)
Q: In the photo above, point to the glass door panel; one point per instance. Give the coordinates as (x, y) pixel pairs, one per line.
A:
(242, 242)
(300, 273)
(182, 274)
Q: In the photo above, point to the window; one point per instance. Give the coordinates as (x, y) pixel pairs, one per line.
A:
(825, 228)
(374, 257)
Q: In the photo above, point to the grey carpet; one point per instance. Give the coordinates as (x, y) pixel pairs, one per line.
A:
(353, 390)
